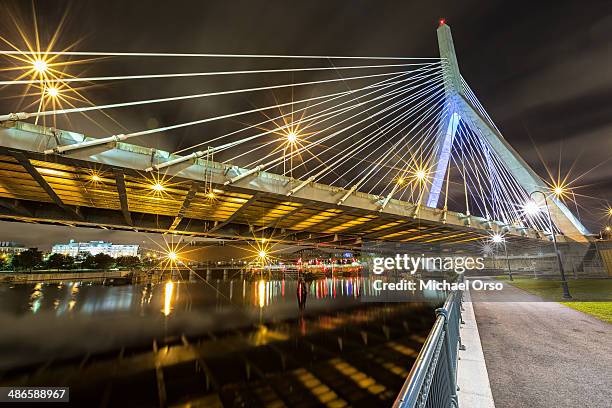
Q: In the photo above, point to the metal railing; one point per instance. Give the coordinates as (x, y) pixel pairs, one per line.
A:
(432, 381)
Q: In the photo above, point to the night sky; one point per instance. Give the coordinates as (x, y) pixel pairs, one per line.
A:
(543, 70)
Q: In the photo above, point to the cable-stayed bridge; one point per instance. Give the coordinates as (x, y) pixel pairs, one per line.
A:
(399, 149)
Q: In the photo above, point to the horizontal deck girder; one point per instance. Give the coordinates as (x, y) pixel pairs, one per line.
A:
(257, 204)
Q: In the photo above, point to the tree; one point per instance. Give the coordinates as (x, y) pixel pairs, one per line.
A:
(103, 261)
(5, 261)
(128, 262)
(89, 262)
(27, 259)
(98, 261)
(60, 261)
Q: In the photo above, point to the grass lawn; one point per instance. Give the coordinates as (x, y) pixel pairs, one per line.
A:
(592, 296)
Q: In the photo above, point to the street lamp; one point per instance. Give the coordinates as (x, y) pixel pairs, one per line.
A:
(40, 66)
(499, 239)
(158, 187)
(530, 208)
(52, 91)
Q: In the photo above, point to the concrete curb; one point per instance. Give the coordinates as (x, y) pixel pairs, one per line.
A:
(472, 376)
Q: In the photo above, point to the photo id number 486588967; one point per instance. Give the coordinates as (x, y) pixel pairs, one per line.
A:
(34, 394)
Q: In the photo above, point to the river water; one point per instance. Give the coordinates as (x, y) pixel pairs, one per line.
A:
(61, 319)
(61, 331)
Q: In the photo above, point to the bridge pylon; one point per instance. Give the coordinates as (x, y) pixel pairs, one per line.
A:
(461, 109)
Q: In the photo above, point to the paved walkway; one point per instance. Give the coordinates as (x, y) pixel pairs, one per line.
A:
(544, 354)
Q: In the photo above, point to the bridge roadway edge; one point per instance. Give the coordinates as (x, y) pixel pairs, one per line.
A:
(33, 140)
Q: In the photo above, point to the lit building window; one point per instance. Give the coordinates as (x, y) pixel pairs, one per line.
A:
(75, 249)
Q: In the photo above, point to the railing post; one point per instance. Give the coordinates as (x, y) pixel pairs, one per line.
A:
(428, 369)
(460, 310)
(452, 379)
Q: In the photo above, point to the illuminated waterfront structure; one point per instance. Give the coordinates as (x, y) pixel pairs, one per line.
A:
(75, 249)
(11, 248)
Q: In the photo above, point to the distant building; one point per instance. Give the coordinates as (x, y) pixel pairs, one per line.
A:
(75, 249)
(11, 248)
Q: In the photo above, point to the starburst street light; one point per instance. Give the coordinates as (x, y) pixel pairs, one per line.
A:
(38, 63)
(292, 136)
(263, 254)
(158, 187)
(559, 191)
(94, 176)
(172, 256)
(497, 239)
(40, 66)
(52, 91)
(531, 207)
(420, 175)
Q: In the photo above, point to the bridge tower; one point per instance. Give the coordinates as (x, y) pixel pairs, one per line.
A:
(462, 109)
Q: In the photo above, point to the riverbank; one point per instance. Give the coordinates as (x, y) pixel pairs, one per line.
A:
(11, 277)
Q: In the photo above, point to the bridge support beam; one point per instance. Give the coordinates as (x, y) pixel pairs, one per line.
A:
(444, 146)
(40, 180)
(450, 122)
(520, 170)
(193, 190)
(123, 197)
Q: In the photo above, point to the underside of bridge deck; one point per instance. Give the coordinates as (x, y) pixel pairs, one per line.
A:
(108, 188)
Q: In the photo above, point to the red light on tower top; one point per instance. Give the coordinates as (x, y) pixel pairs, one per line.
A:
(442, 22)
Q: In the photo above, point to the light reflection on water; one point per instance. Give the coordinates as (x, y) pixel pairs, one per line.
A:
(79, 317)
(172, 298)
(93, 298)
(168, 298)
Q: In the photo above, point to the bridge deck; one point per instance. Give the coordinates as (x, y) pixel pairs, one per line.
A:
(35, 187)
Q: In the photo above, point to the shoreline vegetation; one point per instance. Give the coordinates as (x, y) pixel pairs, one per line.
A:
(590, 296)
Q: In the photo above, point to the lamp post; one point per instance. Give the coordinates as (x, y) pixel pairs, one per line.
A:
(566, 293)
(508, 261)
(499, 239)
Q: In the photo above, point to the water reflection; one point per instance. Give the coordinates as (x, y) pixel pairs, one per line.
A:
(169, 288)
(149, 299)
(104, 317)
(36, 298)
(302, 294)
(262, 293)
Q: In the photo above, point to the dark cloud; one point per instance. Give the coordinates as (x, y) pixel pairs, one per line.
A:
(541, 69)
